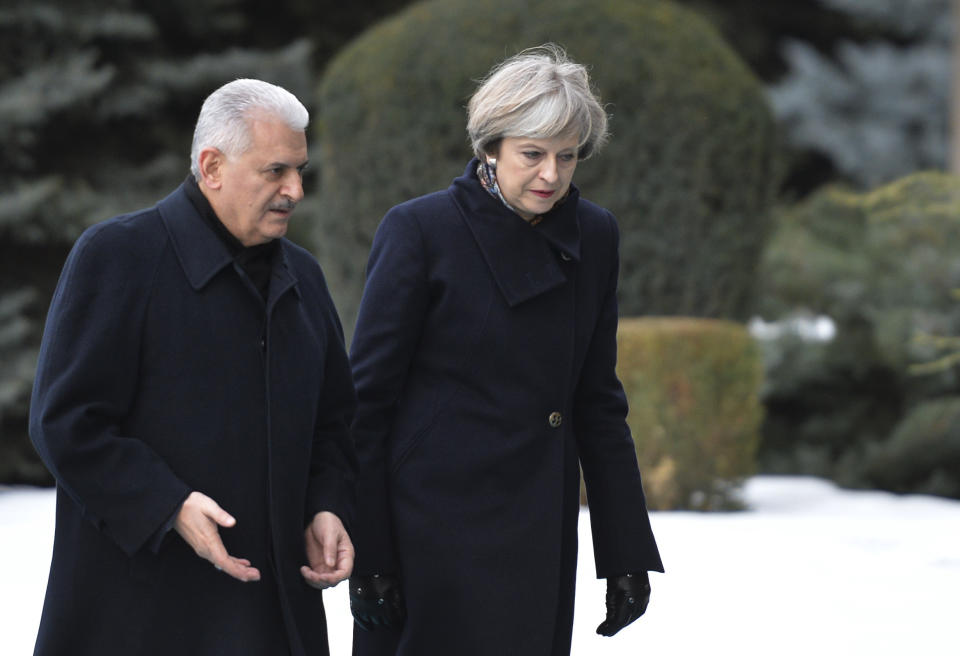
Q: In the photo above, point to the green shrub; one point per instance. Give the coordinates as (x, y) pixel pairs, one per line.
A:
(690, 170)
(883, 265)
(923, 452)
(825, 403)
(693, 386)
(886, 258)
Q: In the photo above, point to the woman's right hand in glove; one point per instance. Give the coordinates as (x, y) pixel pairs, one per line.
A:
(376, 601)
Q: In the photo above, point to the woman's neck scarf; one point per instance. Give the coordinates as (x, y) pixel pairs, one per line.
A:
(487, 173)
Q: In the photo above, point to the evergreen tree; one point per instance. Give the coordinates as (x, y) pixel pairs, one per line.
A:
(877, 109)
(97, 106)
(859, 88)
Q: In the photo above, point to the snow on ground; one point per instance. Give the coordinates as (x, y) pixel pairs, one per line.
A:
(808, 569)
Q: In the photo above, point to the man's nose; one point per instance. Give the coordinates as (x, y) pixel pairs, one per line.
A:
(293, 186)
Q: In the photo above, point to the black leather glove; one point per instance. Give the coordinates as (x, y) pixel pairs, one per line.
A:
(376, 601)
(627, 599)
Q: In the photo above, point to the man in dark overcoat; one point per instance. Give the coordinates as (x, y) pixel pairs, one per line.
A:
(192, 400)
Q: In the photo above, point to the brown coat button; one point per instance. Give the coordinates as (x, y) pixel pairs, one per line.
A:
(555, 419)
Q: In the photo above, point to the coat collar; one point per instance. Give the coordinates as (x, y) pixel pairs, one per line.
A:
(524, 260)
(202, 254)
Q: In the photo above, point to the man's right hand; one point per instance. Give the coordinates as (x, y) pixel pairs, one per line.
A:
(197, 523)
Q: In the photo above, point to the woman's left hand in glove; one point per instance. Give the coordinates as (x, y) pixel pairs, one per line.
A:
(376, 601)
(627, 599)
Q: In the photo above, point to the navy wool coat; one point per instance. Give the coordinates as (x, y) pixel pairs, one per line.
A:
(162, 370)
(484, 360)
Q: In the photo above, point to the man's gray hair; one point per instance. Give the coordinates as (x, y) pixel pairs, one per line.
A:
(538, 93)
(224, 118)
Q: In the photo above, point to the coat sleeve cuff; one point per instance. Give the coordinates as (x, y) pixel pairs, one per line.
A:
(334, 496)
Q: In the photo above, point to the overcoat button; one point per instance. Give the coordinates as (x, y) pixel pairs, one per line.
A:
(555, 419)
(564, 256)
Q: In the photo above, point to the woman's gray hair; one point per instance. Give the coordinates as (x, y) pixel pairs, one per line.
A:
(538, 93)
(224, 118)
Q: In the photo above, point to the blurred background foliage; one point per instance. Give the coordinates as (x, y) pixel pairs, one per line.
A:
(762, 163)
(691, 171)
(884, 265)
(860, 89)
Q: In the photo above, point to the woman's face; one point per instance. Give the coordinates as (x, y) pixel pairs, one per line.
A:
(533, 174)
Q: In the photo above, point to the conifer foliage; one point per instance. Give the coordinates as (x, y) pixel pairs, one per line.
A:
(97, 104)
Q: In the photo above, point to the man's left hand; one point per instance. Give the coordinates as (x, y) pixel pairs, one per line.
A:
(329, 552)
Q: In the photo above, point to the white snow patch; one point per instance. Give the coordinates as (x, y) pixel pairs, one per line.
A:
(808, 569)
(807, 327)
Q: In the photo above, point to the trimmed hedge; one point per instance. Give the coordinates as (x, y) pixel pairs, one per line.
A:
(690, 171)
(693, 386)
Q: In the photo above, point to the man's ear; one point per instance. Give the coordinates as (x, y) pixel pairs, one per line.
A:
(210, 161)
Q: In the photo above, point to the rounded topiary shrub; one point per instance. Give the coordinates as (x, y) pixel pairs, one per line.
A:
(885, 266)
(693, 386)
(690, 170)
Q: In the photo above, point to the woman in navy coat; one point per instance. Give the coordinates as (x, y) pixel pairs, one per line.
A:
(484, 360)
